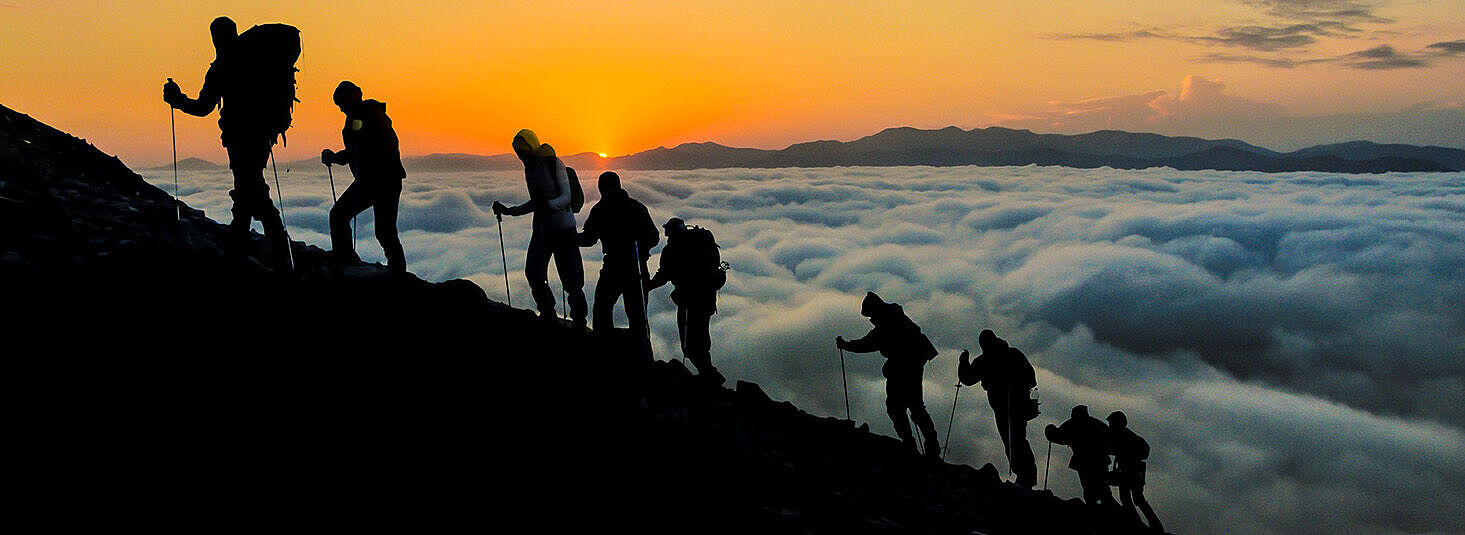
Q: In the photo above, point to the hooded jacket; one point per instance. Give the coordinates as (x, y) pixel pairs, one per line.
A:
(371, 144)
(1087, 436)
(548, 183)
(999, 367)
(896, 337)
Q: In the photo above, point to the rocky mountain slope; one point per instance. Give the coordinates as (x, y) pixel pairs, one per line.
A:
(159, 383)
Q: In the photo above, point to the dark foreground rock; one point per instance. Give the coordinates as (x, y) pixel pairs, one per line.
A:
(160, 384)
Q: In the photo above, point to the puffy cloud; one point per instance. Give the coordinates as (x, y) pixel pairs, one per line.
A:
(1288, 343)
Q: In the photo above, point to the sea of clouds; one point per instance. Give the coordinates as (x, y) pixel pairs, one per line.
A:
(1290, 344)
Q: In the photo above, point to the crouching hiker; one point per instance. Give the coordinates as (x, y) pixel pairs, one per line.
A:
(1086, 435)
(906, 351)
(1130, 451)
(376, 163)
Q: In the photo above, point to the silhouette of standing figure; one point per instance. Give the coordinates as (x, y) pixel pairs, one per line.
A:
(554, 228)
(906, 351)
(376, 162)
(690, 261)
(1008, 377)
(1087, 436)
(1130, 451)
(626, 235)
(249, 121)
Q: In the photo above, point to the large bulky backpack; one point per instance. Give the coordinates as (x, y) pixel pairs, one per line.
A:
(705, 257)
(577, 194)
(268, 53)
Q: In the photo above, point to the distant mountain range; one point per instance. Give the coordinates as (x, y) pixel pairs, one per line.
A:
(992, 146)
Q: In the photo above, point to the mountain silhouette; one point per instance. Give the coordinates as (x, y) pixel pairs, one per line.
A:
(170, 384)
(190, 164)
(997, 146)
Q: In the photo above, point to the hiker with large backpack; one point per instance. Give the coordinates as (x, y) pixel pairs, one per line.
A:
(1130, 451)
(553, 201)
(906, 351)
(691, 262)
(376, 161)
(1008, 378)
(626, 235)
(252, 83)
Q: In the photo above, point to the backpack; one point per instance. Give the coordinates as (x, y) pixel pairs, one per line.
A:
(705, 257)
(268, 53)
(577, 195)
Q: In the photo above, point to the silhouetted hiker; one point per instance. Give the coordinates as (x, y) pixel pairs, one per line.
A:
(1087, 436)
(626, 235)
(554, 228)
(372, 153)
(690, 261)
(1008, 378)
(906, 351)
(1130, 451)
(252, 82)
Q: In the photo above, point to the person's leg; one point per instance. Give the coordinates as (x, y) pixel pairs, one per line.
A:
(698, 339)
(635, 300)
(572, 272)
(351, 202)
(386, 201)
(927, 427)
(607, 290)
(536, 269)
(1151, 518)
(897, 401)
(1023, 463)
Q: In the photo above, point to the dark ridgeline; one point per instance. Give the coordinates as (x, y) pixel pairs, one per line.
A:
(160, 384)
(1004, 146)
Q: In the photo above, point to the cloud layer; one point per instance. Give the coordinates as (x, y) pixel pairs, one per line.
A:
(1289, 344)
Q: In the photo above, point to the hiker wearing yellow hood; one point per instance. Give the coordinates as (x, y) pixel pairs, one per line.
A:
(554, 227)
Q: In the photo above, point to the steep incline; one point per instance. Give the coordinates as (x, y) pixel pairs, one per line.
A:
(163, 384)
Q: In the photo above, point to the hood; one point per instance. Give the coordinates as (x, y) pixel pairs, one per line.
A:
(526, 143)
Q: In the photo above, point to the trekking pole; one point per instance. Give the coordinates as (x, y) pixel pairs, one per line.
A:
(950, 420)
(507, 296)
(280, 196)
(334, 199)
(173, 127)
(641, 294)
(843, 377)
(1047, 465)
(1009, 432)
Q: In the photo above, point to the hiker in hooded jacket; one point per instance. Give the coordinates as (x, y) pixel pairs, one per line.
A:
(554, 234)
(1008, 378)
(1087, 436)
(1130, 451)
(691, 263)
(254, 99)
(626, 235)
(376, 163)
(906, 351)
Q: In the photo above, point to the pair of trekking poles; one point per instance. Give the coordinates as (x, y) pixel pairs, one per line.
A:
(950, 421)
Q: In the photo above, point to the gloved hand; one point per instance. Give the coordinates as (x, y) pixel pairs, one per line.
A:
(498, 208)
(326, 155)
(172, 94)
(966, 358)
(839, 342)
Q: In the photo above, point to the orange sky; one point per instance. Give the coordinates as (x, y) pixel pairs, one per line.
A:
(463, 77)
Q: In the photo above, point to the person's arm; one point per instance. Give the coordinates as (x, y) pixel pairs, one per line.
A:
(208, 96)
(591, 234)
(1056, 435)
(970, 372)
(648, 236)
(868, 344)
(560, 201)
